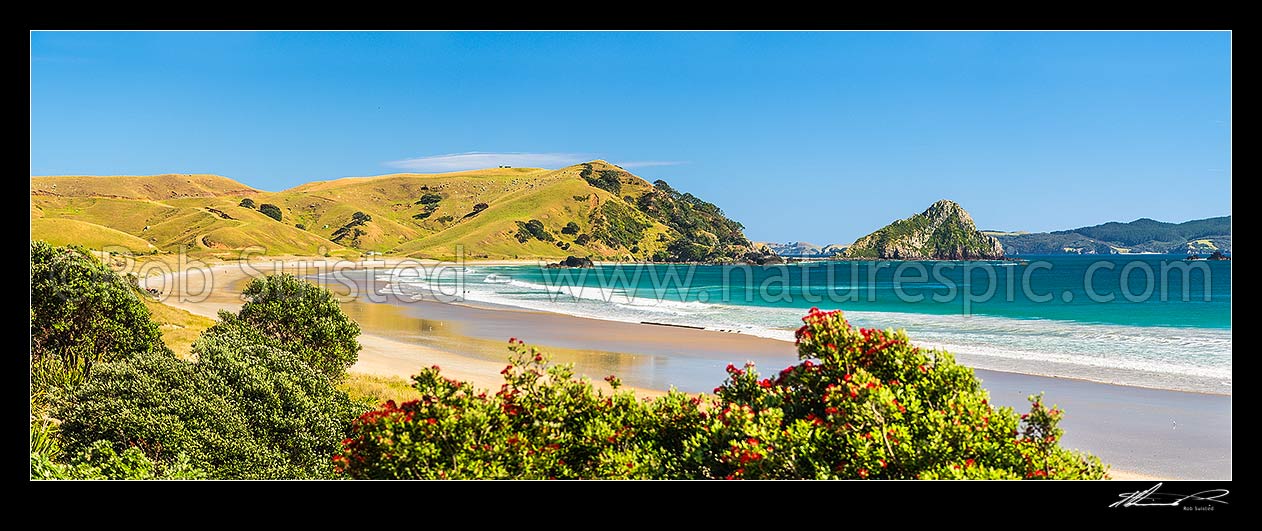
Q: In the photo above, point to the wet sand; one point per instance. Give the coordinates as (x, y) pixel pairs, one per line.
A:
(1142, 433)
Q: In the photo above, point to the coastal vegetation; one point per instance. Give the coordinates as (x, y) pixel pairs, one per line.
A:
(263, 393)
(257, 397)
(861, 404)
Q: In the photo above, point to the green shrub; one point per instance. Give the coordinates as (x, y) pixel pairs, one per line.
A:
(429, 199)
(618, 225)
(300, 226)
(583, 239)
(298, 317)
(607, 180)
(271, 211)
(81, 313)
(862, 404)
(570, 228)
(536, 230)
(875, 406)
(241, 411)
(444, 219)
(100, 461)
(539, 425)
(247, 203)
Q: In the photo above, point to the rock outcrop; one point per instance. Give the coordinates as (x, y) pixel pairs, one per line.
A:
(573, 261)
(943, 232)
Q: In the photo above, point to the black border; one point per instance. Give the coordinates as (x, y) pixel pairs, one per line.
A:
(662, 503)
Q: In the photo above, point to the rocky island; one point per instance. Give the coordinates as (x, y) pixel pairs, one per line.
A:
(942, 232)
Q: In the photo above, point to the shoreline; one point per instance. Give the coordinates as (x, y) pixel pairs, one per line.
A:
(1129, 427)
(499, 307)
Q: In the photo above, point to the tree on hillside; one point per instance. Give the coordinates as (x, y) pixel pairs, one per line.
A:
(570, 228)
(271, 211)
(247, 203)
(299, 317)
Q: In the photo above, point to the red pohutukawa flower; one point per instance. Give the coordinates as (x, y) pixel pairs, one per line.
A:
(860, 403)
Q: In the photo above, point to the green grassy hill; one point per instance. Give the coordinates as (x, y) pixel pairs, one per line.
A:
(591, 209)
(198, 214)
(149, 187)
(91, 235)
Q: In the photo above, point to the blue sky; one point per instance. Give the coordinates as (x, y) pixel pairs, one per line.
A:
(820, 137)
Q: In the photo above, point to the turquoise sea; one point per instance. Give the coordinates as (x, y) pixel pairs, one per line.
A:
(1148, 320)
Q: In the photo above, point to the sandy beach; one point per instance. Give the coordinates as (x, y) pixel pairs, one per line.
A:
(1141, 433)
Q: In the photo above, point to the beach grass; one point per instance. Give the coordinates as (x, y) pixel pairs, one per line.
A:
(179, 327)
(377, 388)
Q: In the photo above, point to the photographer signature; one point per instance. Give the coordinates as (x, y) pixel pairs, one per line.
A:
(1152, 498)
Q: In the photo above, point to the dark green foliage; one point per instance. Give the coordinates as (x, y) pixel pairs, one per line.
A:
(429, 199)
(618, 225)
(431, 205)
(300, 226)
(298, 317)
(536, 229)
(686, 250)
(582, 239)
(270, 210)
(82, 312)
(243, 410)
(705, 232)
(533, 229)
(247, 203)
(570, 228)
(477, 209)
(351, 231)
(607, 180)
(444, 219)
(582, 198)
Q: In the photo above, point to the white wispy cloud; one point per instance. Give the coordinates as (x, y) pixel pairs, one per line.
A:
(477, 159)
(650, 163)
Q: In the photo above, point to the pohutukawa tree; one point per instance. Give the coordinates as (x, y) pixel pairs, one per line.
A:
(860, 404)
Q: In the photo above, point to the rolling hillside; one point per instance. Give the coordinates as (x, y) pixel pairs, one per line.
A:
(1140, 236)
(591, 209)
